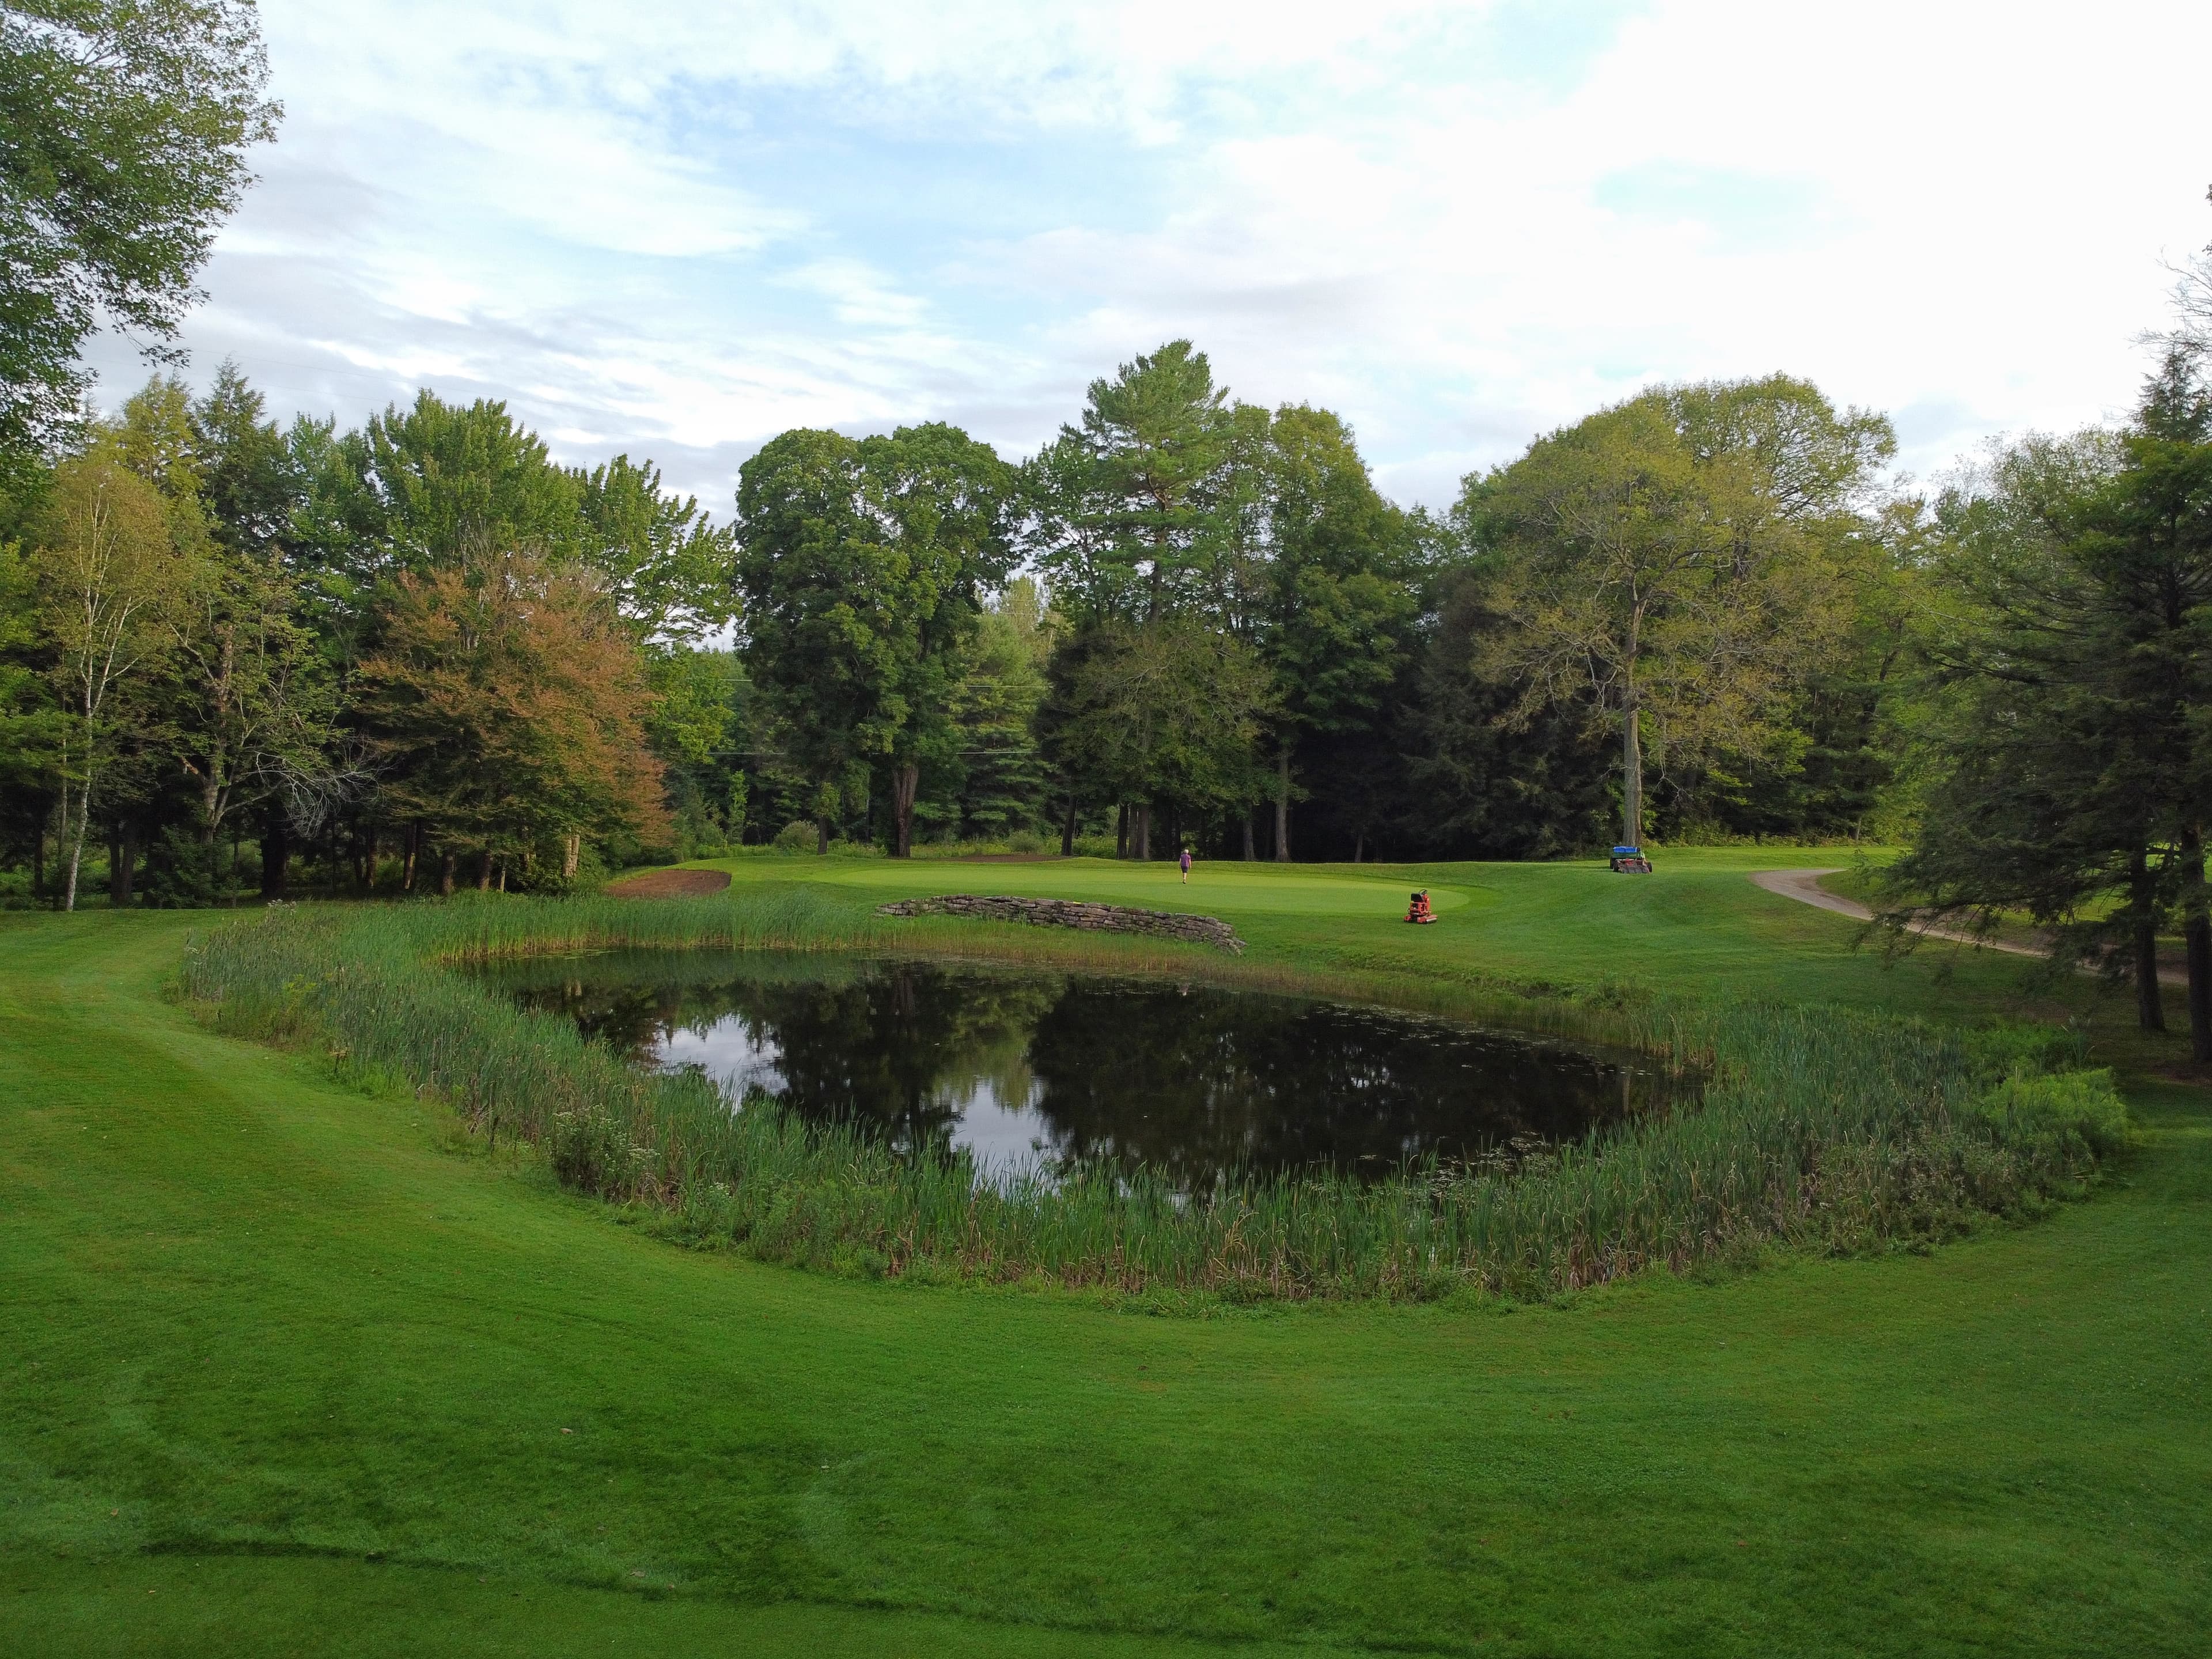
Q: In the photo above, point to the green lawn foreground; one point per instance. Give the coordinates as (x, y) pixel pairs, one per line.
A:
(286, 1368)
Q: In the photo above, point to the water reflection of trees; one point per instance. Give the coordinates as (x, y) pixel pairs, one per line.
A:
(907, 1048)
(1198, 1081)
(1190, 1081)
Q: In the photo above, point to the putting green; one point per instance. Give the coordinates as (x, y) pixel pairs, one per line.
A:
(1227, 891)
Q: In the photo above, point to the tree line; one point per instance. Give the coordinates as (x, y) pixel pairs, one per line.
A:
(423, 652)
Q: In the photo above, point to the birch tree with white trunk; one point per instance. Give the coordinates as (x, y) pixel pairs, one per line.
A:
(109, 579)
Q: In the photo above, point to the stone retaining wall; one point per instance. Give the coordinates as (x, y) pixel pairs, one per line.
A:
(1070, 913)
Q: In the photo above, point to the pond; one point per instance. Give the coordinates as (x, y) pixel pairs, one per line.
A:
(1055, 1070)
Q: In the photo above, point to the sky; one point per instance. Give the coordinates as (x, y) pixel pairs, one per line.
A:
(674, 231)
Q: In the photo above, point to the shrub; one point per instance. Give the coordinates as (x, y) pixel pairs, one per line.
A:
(1025, 840)
(2000, 1050)
(2077, 1107)
(797, 836)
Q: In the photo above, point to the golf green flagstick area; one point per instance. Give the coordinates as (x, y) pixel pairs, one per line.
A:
(288, 1366)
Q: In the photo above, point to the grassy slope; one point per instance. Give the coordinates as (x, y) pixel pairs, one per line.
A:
(256, 1330)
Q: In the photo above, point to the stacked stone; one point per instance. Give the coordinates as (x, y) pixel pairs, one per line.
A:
(1071, 913)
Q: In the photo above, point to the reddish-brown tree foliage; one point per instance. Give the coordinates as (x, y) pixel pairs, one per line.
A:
(508, 704)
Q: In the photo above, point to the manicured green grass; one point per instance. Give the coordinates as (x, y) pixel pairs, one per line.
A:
(297, 1361)
(1698, 925)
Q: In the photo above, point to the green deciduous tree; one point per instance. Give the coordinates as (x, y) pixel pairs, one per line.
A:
(111, 583)
(697, 725)
(449, 482)
(1166, 709)
(1675, 564)
(666, 567)
(251, 702)
(1480, 783)
(862, 565)
(438, 483)
(124, 127)
(947, 501)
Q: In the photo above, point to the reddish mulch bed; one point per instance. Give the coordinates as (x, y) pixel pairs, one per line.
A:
(671, 883)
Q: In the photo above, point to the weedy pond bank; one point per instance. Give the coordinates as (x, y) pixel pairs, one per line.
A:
(1820, 1129)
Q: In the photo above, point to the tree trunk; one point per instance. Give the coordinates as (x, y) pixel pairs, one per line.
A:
(1358, 845)
(1067, 828)
(484, 872)
(1142, 828)
(2196, 931)
(2199, 935)
(39, 857)
(122, 865)
(1283, 805)
(446, 876)
(821, 837)
(572, 855)
(407, 857)
(2150, 1007)
(906, 778)
(1631, 778)
(211, 843)
(1249, 853)
(276, 854)
(1121, 832)
(76, 841)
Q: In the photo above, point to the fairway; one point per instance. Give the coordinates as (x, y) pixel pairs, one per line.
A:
(292, 1367)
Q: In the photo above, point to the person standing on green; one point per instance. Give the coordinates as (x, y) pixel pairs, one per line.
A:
(1186, 866)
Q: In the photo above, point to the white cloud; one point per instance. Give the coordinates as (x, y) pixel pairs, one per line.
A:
(677, 232)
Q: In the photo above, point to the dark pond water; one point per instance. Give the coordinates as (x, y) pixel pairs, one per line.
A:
(1053, 1070)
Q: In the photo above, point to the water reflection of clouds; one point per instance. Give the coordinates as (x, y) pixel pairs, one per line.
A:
(1003, 1136)
(727, 1051)
(998, 1112)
